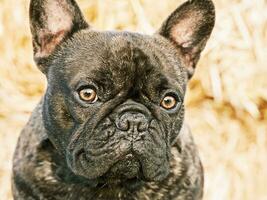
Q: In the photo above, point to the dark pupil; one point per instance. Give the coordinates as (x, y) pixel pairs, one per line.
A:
(88, 93)
(168, 100)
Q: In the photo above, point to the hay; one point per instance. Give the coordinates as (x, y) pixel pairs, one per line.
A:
(226, 100)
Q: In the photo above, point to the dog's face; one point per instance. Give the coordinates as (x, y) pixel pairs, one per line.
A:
(114, 102)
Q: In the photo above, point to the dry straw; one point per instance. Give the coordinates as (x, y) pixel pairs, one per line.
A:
(226, 101)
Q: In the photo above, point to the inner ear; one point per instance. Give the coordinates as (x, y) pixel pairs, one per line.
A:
(53, 21)
(189, 28)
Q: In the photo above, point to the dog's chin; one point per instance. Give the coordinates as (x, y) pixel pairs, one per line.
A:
(130, 184)
(126, 173)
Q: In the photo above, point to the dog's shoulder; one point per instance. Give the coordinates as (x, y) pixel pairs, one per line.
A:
(32, 134)
(27, 154)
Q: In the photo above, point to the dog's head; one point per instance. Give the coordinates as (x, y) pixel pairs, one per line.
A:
(114, 102)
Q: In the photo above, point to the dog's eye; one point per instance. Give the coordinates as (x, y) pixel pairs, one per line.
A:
(168, 102)
(88, 94)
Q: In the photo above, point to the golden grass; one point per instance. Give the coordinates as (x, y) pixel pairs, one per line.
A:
(226, 101)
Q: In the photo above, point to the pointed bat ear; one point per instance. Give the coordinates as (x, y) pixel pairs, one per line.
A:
(52, 22)
(189, 28)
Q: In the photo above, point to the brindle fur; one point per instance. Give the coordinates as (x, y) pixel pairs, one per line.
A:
(125, 146)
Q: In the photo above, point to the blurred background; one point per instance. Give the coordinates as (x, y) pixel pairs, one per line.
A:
(226, 100)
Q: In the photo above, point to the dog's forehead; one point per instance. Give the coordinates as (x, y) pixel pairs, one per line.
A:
(121, 57)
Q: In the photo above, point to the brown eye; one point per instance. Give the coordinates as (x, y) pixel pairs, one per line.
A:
(168, 102)
(89, 95)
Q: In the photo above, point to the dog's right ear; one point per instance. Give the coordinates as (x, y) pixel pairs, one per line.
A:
(52, 22)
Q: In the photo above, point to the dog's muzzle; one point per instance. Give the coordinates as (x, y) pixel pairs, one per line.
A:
(128, 143)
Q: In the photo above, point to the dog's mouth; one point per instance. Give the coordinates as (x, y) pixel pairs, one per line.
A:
(130, 168)
(125, 173)
(137, 163)
(127, 168)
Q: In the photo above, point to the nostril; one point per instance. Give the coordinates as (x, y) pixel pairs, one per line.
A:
(123, 124)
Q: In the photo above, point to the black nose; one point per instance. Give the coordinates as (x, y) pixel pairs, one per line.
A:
(132, 121)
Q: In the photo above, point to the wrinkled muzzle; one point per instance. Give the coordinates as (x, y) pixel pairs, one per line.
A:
(128, 143)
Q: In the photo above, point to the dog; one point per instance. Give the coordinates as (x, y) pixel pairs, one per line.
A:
(111, 122)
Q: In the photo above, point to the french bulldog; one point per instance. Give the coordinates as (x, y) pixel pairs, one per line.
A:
(111, 122)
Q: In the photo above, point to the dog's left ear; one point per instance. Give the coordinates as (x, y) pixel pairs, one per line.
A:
(189, 27)
(52, 22)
